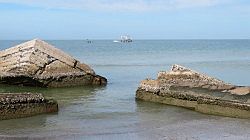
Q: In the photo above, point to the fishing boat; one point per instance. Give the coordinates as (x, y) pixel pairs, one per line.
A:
(124, 39)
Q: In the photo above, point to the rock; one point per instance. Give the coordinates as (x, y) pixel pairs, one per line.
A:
(181, 76)
(240, 90)
(187, 88)
(19, 105)
(37, 63)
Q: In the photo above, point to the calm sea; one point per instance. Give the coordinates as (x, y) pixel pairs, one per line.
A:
(111, 112)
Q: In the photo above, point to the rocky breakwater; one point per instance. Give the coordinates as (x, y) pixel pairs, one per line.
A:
(186, 88)
(18, 105)
(37, 63)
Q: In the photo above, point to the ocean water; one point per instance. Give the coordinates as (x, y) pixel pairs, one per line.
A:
(112, 112)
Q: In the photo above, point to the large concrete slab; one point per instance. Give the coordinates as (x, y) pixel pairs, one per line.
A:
(187, 88)
(37, 63)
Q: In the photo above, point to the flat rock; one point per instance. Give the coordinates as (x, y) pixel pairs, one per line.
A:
(19, 105)
(37, 63)
(190, 89)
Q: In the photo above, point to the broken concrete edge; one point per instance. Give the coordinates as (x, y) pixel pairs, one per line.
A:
(69, 60)
(19, 105)
(152, 85)
(180, 72)
(202, 105)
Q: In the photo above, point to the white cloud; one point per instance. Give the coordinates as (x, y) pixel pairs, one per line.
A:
(117, 5)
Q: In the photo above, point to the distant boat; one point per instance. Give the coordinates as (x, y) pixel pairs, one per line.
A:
(89, 41)
(124, 39)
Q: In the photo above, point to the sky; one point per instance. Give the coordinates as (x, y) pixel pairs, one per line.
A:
(109, 19)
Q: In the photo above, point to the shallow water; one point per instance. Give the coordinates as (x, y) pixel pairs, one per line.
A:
(111, 112)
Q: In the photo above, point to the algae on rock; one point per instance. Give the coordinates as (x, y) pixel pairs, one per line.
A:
(19, 105)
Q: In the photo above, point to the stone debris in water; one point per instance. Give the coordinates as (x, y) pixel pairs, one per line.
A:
(187, 88)
(12, 98)
(37, 63)
(181, 76)
(19, 105)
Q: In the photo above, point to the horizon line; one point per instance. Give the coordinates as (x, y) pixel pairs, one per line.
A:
(136, 39)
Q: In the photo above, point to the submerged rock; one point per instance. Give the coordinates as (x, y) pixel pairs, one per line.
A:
(19, 105)
(186, 88)
(37, 63)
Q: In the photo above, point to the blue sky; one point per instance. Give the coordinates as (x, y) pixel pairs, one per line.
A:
(108, 19)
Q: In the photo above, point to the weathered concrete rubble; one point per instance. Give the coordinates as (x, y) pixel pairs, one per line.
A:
(187, 88)
(18, 105)
(37, 63)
